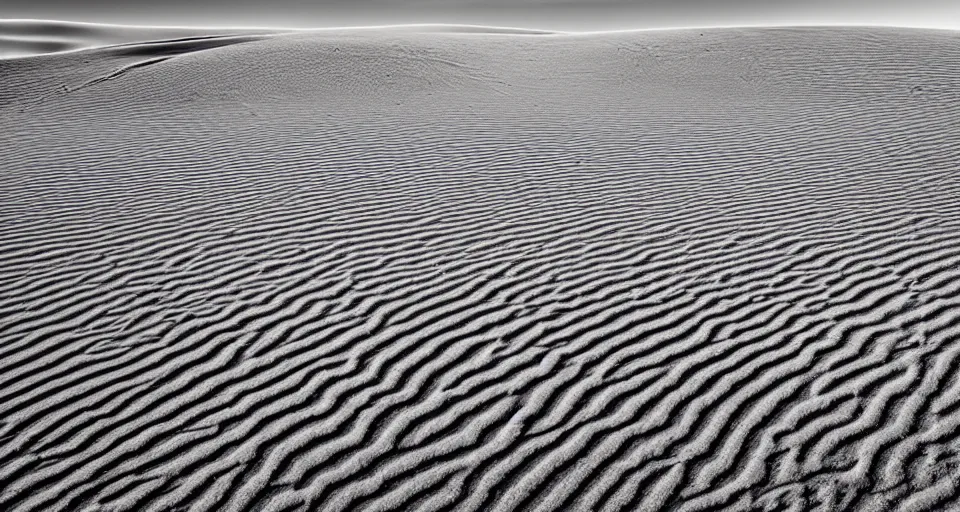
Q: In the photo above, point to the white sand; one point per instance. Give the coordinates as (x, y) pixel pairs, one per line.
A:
(455, 268)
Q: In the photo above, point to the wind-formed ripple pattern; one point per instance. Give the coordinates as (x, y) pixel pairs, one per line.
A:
(468, 270)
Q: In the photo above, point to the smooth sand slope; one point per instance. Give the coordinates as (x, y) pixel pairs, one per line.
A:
(469, 270)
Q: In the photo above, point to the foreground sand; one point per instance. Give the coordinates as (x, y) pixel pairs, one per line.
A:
(465, 270)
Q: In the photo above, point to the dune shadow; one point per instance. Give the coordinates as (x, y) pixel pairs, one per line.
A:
(27, 38)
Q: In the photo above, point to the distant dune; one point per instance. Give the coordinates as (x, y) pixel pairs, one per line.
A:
(26, 38)
(442, 268)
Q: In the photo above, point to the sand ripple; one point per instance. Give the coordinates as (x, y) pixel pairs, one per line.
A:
(458, 270)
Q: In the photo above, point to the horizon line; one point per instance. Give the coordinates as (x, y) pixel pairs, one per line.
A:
(544, 31)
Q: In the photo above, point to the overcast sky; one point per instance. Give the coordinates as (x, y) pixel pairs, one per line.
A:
(546, 14)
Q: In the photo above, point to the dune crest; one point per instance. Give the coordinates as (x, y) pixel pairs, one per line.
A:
(25, 38)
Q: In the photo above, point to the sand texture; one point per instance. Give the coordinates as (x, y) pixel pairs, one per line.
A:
(465, 269)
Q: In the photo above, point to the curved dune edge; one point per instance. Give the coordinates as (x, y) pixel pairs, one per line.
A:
(684, 271)
(26, 38)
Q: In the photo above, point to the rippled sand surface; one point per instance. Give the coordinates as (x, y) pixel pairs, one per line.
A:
(466, 269)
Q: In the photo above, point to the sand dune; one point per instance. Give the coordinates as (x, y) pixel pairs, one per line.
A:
(27, 38)
(435, 270)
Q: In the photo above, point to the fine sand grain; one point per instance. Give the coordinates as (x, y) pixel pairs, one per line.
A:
(470, 269)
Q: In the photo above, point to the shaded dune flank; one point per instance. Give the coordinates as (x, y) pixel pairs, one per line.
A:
(28, 38)
(684, 270)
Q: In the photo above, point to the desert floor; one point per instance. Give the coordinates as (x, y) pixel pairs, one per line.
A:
(456, 268)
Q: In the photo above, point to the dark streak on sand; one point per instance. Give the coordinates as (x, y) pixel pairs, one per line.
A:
(118, 72)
